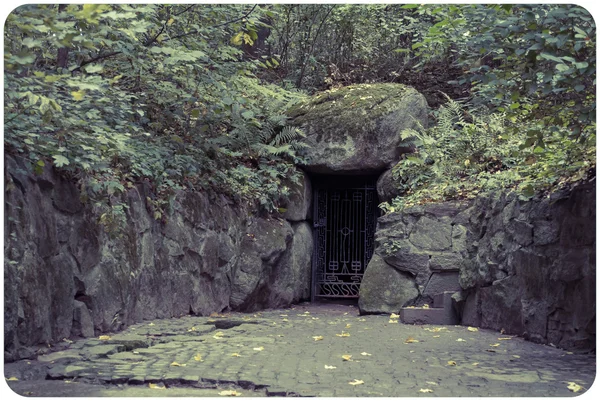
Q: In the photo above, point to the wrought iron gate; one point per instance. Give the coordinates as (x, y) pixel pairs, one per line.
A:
(344, 228)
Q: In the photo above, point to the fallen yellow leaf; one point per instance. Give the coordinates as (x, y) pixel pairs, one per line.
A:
(218, 335)
(410, 340)
(67, 340)
(426, 306)
(177, 364)
(515, 356)
(346, 357)
(495, 345)
(78, 95)
(362, 320)
(356, 382)
(150, 324)
(574, 387)
(348, 325)
(283, 315)
(330, 367)
(394, 316)
(451, 363)
(425, 390)
(392, 321)
(433, 383)
(472, 328)
(438, 336)
(230, 393)
(156, 386)
(284, 320)
(235, 354)
(318, 338)
(191, 329)
(12, 379)
(104, 338)
(460, 340)
(198, 358)
(435, 329)
(258, 348)
(365, 354)
(475, 363)
(343, 334)
(504, 338)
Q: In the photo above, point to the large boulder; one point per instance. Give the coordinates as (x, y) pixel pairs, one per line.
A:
(290, 282)
(356, 129)
(263, 247)
(385, 289)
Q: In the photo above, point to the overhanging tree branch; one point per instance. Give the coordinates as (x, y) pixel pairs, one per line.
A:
(107, 55)
(195, 31)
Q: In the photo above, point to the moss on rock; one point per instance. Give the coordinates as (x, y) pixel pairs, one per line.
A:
(357, 127)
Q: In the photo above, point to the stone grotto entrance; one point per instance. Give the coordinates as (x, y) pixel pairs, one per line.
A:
(344, 220)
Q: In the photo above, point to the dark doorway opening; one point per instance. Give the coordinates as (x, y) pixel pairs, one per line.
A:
(344, 219)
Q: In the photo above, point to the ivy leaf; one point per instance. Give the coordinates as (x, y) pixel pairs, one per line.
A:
(59, 161)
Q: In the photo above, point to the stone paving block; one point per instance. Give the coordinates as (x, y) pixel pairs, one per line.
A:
(62, 356)
(102, 351)
(136, 380)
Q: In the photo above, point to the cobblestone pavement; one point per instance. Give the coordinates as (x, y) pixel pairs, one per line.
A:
(308, 350)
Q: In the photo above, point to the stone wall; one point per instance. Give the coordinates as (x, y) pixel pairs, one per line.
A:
(532, 267)
(64, 276)
(521, 267)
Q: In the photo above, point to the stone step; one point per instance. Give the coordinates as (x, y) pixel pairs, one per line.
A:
(442, 312)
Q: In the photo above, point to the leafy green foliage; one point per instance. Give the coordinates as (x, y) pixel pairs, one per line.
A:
(468, 152)
(119, 94)
(542, 55)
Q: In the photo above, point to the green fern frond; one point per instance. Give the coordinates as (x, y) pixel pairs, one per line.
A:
(286, 135)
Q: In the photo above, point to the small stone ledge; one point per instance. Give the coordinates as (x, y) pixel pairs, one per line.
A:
(442, 313)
